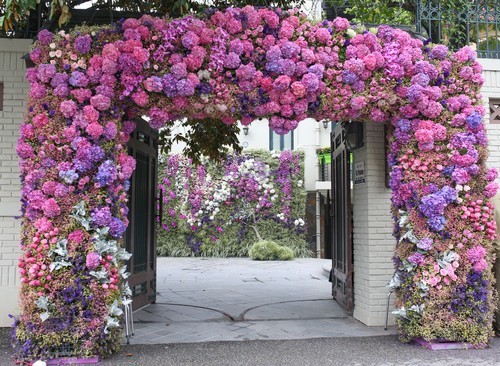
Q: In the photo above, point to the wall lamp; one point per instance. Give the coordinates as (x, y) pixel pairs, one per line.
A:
(325, 125)
(245, 130)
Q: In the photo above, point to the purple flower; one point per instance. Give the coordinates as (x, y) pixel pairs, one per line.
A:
(349, 77)
(185, 87)
(404, 125)
(420, 79)
(232, 61)
(436, 223)
(116, 227)
(290, 49)
(273, 54)
(416, 258)
(169, 85)
(45, 37)
(46, 72)
(69, 176)
(311, 82)
(101, 217)
(425, 244)
(317, 69)
(474, 120)
(179, 70)
(287, 67)
(82, 44)
(78, 79)
(439, 52)
(106, 173)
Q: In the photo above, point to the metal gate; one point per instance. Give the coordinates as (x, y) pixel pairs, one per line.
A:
(342, 264)
(141, 233)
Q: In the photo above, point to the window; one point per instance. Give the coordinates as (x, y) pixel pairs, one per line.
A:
(494, 111)
(280, 142)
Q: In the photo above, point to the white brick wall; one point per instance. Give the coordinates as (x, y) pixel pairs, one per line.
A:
(372, 230)
(12, 69)
(491, 89)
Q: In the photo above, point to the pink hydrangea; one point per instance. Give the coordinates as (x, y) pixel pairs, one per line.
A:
(93, 260)
(95, 130)
(341, 24)
(67, 108)
(50, 208)
(100, 102)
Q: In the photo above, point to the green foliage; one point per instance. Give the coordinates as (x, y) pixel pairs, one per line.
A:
(378, 11)
(267, 250)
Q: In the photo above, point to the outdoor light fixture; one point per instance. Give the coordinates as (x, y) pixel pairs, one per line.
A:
(354, 135)
(325, 125)
(27, 61)
(245, 130)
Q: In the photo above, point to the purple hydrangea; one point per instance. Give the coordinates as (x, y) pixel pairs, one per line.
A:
(290, 49)
(416, 259)
(404, 125)
(439, 52)
(101, 217)
(106, 173)
(82, 44)
(349, 77)
(169, 85)
(45, 37)
(474, 120)
(185, 87)
(116, 227)
(436, 223)
(78, 79)
(425, 244)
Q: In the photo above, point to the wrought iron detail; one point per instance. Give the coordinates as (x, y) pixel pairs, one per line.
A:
(475, 23)
(494, 111)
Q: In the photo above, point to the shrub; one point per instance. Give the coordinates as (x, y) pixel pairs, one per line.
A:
(267, 250)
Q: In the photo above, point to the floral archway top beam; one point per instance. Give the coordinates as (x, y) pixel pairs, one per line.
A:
(242, 64)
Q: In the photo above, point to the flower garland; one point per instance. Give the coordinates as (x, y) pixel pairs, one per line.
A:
(242, 64)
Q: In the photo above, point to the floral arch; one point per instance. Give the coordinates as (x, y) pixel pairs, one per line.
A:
(241, 64)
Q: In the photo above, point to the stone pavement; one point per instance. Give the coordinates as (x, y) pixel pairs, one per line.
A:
(235, 299)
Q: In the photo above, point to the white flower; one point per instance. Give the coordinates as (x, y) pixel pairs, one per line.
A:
(299, 183)
(351, 33)
(40, 363)
(459, 187)
(296, 222)
(466, 188)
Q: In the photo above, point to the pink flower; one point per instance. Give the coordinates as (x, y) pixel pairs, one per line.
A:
(50, 208)
(67, 108)
(282, 83)
(41, 120)
(322, 35)
(93, 260)
(90, 114)
(341, 24)
(94, 130)
(100, 102)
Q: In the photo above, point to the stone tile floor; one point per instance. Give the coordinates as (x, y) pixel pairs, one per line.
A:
(211, 299)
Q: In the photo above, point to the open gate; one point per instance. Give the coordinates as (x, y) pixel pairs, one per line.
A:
(342, 263)
(140, 238)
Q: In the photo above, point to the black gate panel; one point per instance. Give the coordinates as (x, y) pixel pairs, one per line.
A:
(141, 232)
(342, 264)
